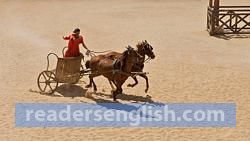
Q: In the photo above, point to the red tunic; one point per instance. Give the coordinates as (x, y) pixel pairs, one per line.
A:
(73, 46)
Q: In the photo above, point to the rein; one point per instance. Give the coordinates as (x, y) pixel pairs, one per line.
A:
(101, 51)
(118, 71)
(93, 53)
(147, 60)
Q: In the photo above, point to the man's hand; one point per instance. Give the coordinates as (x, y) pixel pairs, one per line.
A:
(88, 52)
(66, 37)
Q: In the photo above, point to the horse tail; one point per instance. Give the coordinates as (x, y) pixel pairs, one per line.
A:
(87, 64)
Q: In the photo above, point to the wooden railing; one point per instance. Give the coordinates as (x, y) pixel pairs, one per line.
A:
(228, 20)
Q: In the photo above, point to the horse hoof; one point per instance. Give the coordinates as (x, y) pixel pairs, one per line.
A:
(114, 96)
(88, 86)
(146, 90)
(113, 92)
(129, 85)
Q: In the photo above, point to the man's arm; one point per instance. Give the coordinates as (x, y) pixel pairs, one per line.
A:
(83, 44)
(88, 51)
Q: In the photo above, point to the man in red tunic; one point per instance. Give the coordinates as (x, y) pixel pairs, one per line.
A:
(75, 39)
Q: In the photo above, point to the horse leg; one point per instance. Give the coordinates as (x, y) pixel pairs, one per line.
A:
(146, 78)
(114, 92)
(93, 82)
(136, 82)
(90, 82)
(118, 90)
(112, 86)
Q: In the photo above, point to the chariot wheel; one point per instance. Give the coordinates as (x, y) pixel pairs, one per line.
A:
(47, 82)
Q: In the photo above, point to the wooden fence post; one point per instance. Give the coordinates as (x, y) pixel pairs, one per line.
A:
(216, 11)
(210, 3)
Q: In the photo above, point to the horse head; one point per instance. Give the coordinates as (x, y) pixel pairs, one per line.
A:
(146, 48)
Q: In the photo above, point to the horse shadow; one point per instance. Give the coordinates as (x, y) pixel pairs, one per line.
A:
(111, 105)
(129, 97)
(104, 100)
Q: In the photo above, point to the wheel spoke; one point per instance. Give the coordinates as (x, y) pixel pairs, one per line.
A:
(50, 76)
(51, 88)
(53, 81)
(44, 76)
(45, 87)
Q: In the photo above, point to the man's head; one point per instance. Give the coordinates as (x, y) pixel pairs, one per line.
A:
(76, 32)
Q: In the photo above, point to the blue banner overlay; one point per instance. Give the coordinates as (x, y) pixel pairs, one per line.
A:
(125, 115)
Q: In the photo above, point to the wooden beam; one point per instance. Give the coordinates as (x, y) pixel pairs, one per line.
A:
(217, 3)
(210, 3)
(216, 14)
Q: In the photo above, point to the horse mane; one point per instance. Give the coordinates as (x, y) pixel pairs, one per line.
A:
(124, 59)
(139, 45)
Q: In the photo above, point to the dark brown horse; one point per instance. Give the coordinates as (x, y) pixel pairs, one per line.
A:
(144, 49)
(116, 71)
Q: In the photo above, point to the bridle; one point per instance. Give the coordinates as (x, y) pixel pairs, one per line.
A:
(148, 58)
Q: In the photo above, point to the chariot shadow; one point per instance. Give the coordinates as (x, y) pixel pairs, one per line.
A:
(68, 90)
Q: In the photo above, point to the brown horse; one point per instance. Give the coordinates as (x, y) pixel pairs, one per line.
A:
(116, 71)
(144, 49)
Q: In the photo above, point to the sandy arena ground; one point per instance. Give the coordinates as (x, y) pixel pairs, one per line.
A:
(190, 66)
